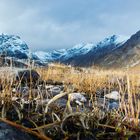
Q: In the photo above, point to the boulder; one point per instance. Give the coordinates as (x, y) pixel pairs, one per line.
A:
(27, 76)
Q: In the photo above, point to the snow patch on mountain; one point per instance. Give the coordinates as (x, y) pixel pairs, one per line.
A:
(114, 39)
(48, 56)
(121, 39)
(40, 55)
(79, 49)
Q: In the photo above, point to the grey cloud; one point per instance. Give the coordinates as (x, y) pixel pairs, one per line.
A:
(53, 24)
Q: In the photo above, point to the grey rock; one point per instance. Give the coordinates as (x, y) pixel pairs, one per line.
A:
(55, 90)
(113, 105)
(8, 132)
(78, 97)
(27, 76)
(61, 102)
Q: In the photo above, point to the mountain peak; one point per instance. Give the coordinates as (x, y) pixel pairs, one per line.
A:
(13, 46)
(114, 39)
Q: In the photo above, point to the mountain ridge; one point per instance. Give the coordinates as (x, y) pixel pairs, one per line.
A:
(113, 51)
(79, 49)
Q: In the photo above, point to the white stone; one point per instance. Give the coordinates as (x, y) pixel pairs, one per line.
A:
(115, 95)
(49, 86)
(77, 96)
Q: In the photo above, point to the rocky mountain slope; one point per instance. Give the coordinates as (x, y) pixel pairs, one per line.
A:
(98, 53)
(128, 54)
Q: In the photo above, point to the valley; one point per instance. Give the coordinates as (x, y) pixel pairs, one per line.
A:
(42, 98)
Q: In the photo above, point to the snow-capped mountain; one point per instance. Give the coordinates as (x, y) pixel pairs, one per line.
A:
(13, 46)
(127, 55)
(79, 49)
(97, 51)
(63, 54)
(48, 56)
(112, 51)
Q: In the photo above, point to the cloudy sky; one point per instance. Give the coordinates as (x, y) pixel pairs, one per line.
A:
(55, 24)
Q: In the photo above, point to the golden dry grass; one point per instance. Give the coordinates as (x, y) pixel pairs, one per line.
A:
(93, 80)
(90, 80)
